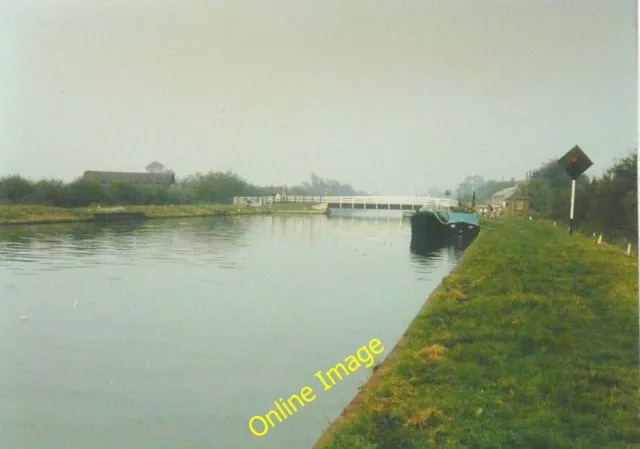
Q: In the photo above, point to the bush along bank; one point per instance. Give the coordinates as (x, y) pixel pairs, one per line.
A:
(532, 341)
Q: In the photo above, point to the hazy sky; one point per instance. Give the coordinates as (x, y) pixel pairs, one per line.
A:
(392, 96)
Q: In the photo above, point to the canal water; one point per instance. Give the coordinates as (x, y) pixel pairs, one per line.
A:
(174, 333)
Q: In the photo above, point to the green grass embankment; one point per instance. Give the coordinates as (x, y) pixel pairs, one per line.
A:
(35, 214)
(531, 342)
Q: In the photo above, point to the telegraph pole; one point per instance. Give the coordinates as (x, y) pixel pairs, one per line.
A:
(473, 191)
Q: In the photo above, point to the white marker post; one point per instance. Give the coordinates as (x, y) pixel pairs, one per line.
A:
(573, 201)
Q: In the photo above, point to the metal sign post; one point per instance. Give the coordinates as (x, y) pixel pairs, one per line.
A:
(575, 162)
(573, 201)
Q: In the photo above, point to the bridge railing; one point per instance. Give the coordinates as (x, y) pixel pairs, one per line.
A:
(348, 200)
(389, 200)
(297, 199)
(264, 200)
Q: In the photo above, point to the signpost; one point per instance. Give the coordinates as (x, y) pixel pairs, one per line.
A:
(575, 162)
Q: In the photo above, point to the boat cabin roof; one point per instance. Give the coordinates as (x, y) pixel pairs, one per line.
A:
(460, 217)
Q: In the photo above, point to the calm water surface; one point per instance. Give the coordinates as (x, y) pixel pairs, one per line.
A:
(172, 334)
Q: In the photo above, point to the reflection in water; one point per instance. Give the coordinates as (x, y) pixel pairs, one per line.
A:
(423, 245)
(427, 261)
(373, 220)
(428, 255)
(91, 244)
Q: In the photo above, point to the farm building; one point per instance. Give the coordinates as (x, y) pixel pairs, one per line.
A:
(509, 203)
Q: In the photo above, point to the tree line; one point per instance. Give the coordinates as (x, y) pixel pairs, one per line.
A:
(213, 187)
(607, 205)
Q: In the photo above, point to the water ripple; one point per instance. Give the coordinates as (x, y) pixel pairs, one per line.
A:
(190, 242)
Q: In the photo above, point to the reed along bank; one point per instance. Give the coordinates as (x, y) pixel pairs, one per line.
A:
(531, 342)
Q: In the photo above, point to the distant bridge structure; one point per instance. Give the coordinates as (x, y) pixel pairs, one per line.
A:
(389, 202)
(355, 202)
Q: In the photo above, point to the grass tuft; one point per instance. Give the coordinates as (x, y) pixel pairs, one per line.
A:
(433, 352)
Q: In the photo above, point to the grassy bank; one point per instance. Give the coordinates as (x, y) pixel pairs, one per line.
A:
(532, 342)
(295, 207)
(26, 214)
(17, 214)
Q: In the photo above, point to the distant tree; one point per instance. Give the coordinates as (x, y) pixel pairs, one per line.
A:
(614, 200)
(447, 193)
(124, 194)
(81, 193)
(50, 192)
(217, 187)
(434, 192)
(469, 185)
(318, 186)
(155, 167)
(549, 189)
(541, 196)
(16, 189)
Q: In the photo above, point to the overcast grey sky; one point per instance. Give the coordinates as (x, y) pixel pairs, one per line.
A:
(391, 96)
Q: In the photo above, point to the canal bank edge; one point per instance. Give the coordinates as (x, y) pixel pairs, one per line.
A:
(42, 215)
(529, 320)
(381, 370)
